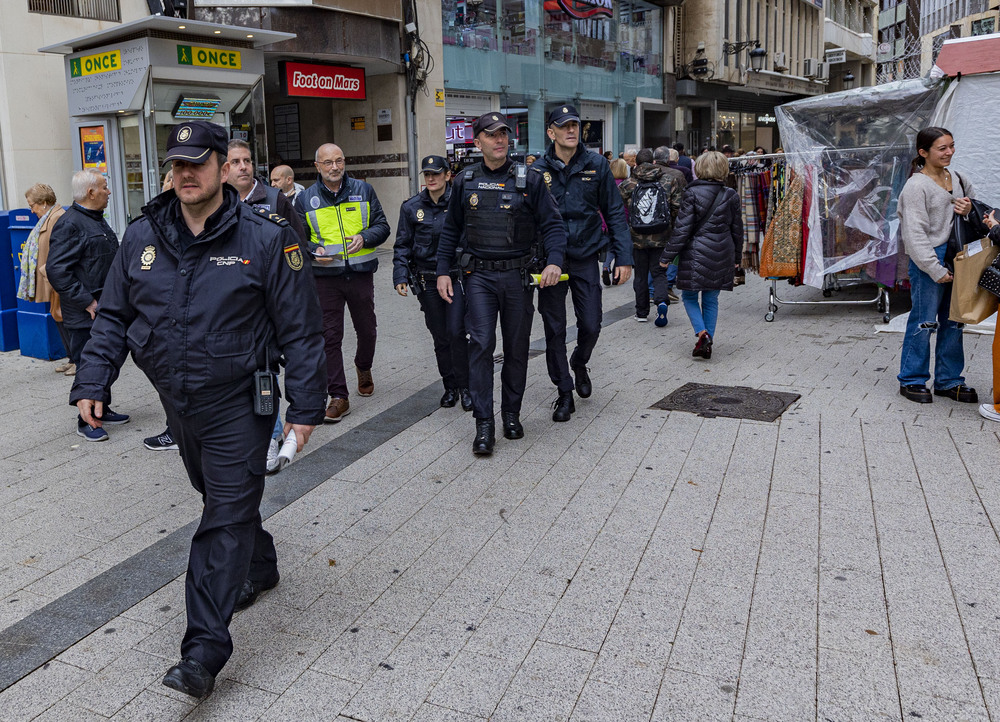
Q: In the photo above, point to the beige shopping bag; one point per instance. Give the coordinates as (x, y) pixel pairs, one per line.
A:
(970, 303)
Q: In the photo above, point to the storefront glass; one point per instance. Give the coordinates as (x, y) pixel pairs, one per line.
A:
(534, 54)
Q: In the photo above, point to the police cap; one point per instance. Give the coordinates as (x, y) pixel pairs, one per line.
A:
(561, 115)
(490, 122)
(433, 164)
(195, 140)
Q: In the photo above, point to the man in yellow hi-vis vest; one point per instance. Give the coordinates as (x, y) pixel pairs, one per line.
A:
(345, 223)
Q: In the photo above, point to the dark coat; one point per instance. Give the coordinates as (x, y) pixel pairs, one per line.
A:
(82, 247)
(708, 260)
(417, 235)
(585, 190)
(197, 313)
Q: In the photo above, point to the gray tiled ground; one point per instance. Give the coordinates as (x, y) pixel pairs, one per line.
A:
(633, 564)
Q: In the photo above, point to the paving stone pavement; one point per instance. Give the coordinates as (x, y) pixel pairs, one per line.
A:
(838, 564)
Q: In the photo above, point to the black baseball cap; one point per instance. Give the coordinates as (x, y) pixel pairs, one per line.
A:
(490, 122)
(561, 115)
(433, 164)
(194, 141)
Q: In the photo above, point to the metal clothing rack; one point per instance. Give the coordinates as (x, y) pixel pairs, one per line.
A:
(833, 282)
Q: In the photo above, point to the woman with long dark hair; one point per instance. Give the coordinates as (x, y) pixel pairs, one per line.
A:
(927, 207)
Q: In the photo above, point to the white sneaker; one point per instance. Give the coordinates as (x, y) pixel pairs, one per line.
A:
(641, 319)
(988, 411)
(288, 450)
(272, 457)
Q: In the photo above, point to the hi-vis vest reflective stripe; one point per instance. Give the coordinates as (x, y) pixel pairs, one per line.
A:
(330, 227)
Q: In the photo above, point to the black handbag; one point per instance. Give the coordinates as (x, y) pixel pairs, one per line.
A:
(990, 280)
(966, 230)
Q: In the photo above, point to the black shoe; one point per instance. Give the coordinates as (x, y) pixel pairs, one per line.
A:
(512, 428)
(583, 386)
(189, 677)
(561, 408)
(916, 393)
(482, 445)
(959, 393)
(449, 399)
(466, 399)
(250, 592)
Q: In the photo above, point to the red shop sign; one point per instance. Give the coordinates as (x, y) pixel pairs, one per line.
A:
(323, 81)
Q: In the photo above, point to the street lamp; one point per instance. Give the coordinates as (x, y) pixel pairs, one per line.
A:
(757, 56)
(848, 80)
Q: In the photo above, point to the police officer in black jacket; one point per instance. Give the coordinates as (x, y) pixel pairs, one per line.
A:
(583, 186)
(206, 291)
(501, 208)
(414, 265)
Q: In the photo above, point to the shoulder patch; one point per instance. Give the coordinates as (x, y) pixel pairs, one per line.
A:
(273, 217)
(293, 257)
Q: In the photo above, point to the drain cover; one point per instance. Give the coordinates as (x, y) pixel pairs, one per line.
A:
(734, 402)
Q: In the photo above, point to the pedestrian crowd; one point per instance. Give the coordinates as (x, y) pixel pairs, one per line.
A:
(227, 278)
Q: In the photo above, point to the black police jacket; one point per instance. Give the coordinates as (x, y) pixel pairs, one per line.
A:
(271, 200)
(81, 248)
(198, 313)
(418, 233)
(537, 199)
(585, 190)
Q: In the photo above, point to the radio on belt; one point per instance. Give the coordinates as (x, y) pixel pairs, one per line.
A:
(263, 389)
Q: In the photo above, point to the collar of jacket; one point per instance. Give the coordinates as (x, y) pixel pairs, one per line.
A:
(96, 215)
(257, 194)
(164, 209)
(444, 198)
(554, 160)
(340, 195)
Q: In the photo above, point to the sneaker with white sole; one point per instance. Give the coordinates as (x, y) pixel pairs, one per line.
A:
(641, 319)
(288, 450)
(163, 442)
(90, 433)
(113, 417)
(989, 411)
(272, 456)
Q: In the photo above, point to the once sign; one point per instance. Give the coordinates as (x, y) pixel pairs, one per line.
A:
(208, 57)
(310, 80)
(91, 64)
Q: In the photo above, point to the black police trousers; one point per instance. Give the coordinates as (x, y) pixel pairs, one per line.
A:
(487, 295)
(585, 286)
(224, 450)
(446, 322)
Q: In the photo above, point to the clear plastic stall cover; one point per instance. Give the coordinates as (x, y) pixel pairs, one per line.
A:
(855, 148)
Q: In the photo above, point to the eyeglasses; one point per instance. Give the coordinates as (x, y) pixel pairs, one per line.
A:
(330, 163)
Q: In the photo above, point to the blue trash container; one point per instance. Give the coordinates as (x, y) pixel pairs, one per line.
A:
(37, 332)
(8, 291)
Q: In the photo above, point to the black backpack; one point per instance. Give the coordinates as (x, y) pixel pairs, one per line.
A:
(649, 208)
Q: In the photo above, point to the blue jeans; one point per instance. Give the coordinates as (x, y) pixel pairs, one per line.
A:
(279, 428)
(931, 302)
(704, 316)
(671, 275)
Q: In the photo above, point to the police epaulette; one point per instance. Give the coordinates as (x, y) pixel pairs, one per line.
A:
(273, 217)
(137, 218)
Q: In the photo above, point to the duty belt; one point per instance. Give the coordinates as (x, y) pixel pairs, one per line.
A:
(507, 264)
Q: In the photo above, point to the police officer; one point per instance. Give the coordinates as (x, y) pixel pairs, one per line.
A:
(501, 208)
(583, 186)
(206, 292)
(414, 264)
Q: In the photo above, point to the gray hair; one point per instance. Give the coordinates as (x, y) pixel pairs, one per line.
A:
(83, 181)
(661, 154)
(674, 156)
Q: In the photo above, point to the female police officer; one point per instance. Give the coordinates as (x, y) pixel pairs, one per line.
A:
(414, 264)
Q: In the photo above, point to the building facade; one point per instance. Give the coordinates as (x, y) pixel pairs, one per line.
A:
(898, 51)
(849, 33)
(721, 100)
(35, 139)
(938, 24)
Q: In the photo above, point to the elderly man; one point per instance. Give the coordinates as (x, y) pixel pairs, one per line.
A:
(81, 249)
(283, 178)
(346, 223)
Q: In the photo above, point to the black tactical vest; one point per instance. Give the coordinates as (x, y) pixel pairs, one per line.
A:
(498, 223)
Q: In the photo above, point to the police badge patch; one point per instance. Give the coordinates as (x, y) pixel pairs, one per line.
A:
(474, 200)
(420, 214)
(293, 257)
(547, 177)
(147, 257)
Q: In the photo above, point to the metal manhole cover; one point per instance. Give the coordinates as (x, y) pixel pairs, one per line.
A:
(734, 402)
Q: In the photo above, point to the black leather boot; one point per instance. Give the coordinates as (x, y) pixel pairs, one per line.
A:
(466, 399)
(449, 399)
(512, 428)
(482, 445)
(583, 386)
(563, 406)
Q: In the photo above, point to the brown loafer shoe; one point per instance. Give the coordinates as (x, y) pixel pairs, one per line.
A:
(338, 409)
(366, 387)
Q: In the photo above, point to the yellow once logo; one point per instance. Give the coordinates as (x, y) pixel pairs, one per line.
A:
(99, 63)
(208, 57)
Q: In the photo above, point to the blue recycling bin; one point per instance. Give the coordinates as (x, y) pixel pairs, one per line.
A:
(8, 291)
(36, 331)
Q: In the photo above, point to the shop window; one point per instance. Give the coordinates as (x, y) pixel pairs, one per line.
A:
(984, 26)
(89, 9)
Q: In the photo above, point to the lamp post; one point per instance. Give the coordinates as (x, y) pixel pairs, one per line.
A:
(757, 56)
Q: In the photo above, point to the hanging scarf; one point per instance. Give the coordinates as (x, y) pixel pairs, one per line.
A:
(29, 261)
